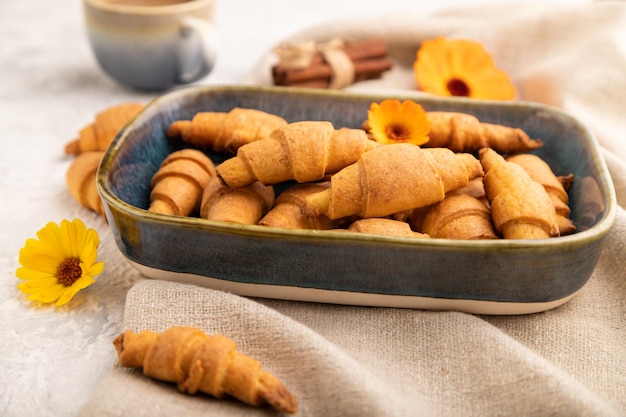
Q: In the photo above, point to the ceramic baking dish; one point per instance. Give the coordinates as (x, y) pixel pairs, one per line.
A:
(484, 277)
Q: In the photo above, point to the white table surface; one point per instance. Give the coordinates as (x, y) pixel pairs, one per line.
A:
(52, 359)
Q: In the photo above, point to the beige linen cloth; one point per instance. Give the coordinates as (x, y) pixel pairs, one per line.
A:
(358, 361)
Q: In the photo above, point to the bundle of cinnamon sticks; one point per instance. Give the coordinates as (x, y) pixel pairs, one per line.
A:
(369, 59)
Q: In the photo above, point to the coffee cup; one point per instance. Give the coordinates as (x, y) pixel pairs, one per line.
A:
(152, 44)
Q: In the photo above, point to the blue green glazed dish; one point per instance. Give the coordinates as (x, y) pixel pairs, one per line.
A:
(482, 277)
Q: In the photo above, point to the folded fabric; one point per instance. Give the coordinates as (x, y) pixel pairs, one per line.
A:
(571, 57)
(343, 361)
(357, 361)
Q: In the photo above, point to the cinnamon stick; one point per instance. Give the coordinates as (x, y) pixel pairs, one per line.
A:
(368, 57)
(323, 71)
(369, 48)
(325, 82)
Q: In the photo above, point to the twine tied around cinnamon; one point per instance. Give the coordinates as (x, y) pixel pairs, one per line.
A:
(300, 55)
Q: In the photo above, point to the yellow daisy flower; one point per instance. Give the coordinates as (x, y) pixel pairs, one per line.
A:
(392, 121)
(460, 68)
(61, 262)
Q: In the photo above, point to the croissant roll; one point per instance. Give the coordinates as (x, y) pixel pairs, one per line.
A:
(415, 217)
(541, 172)
(455, 170)
(520, 207)
(385, 226)
(226, 131)
(463, 132)
(302, 151)
(80, 179)
(393, 178)
(292, 209)
(197, 362)
(475, 188)
(459, 216)
(178, 183)
(97, 136)
(245, 205)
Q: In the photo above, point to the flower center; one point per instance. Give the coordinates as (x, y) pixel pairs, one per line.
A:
(69, 271)
(397, 132)
(458, 87)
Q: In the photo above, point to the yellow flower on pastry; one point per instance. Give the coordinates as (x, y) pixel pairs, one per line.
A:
(393, 121)
(59, 263)
(460, 68)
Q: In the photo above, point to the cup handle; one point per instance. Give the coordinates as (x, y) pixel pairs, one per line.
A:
(194, 65)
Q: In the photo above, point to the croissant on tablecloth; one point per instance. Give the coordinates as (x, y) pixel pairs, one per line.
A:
(89, 148)
(97, 136)
(196, 362)
(80, 179)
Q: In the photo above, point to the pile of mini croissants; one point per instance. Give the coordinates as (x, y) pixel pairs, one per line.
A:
(471, 180)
